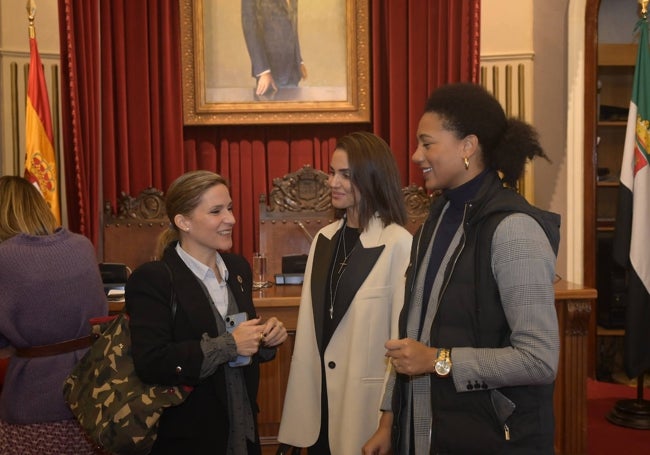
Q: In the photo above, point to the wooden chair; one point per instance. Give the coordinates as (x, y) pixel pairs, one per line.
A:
(298, 206)
(417, 202)
(131, 234)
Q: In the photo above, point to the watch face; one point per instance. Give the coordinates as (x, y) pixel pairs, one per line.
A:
(443, 367)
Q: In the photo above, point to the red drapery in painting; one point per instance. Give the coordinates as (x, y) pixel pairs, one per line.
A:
(416, 45)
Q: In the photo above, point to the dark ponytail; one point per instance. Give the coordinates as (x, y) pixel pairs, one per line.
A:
(506, 143)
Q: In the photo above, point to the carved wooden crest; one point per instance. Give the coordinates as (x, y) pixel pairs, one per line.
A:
(148, 205)
(417, 201)
(303, 190)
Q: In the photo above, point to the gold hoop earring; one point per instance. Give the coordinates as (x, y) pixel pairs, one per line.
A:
(466, 163)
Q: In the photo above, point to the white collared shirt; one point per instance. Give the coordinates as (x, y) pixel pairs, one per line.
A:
(218, 291)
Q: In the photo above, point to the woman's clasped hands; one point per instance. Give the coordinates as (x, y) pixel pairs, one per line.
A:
(251, 334)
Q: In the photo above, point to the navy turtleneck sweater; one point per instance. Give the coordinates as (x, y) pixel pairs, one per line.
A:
(448, 226)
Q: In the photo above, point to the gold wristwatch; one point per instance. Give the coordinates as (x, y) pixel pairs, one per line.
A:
(442, 364)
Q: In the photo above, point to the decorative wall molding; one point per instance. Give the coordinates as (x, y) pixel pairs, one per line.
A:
(506, 56)
(11, 53)
(509, 77)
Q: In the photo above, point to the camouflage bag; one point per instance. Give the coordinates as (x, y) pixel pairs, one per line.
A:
(117, 410)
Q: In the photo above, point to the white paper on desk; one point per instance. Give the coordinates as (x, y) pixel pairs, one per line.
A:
(116, 292)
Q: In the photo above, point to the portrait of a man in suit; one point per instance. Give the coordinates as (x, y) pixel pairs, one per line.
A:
(271, 32)
(247, 60)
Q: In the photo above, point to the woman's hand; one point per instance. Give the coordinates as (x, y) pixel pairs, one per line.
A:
(248, 336)
(380, 442)
(274, 332)
(410, 357)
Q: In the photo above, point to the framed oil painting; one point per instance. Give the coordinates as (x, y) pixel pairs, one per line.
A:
(275, 61)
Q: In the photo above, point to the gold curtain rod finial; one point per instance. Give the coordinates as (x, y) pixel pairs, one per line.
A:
(31, 14)
(31, 10)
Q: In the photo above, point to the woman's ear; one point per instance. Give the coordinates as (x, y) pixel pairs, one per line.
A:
(182, 223)
(470, 145)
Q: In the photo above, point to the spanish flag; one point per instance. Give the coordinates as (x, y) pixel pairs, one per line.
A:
(40, 162)
(632, 231)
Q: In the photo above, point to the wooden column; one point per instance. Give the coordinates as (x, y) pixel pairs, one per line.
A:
(574, 305)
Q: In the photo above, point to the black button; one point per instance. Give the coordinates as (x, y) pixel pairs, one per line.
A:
(469, 386)
(332, 365)
(484, 386)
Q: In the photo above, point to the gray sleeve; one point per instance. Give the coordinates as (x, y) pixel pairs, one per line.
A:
(523, 264)
(216, 351)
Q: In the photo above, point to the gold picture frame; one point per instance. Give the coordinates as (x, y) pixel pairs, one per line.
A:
(217, 75)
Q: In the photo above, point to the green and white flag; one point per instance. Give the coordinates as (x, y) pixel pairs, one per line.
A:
(632, 234)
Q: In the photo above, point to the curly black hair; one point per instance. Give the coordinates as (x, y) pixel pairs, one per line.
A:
(506, 143)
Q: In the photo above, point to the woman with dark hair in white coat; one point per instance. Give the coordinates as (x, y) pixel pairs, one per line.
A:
(352, 295)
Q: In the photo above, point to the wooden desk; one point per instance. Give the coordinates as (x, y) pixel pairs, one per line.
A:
(574, 305)
(281, 302)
